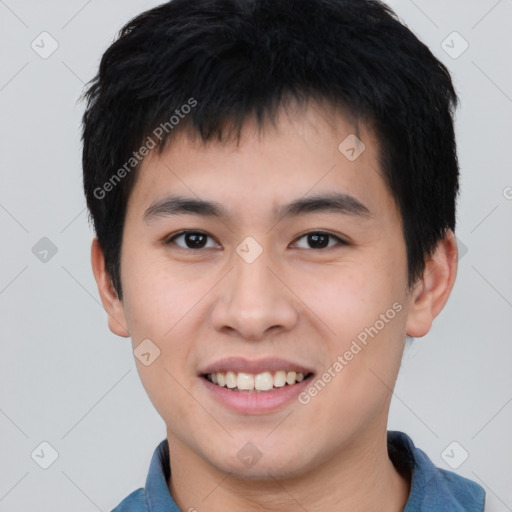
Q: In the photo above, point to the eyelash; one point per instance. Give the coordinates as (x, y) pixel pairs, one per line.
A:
(170, 240)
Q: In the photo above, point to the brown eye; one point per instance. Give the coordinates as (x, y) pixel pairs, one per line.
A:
(320, 240)
(191, 239)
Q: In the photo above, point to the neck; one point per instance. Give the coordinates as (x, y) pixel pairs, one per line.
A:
(361, 477)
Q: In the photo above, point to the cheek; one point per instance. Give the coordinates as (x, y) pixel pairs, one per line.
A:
(350, 296)
(159, 304)
(157, 297)
(163, 304)
(364, 308)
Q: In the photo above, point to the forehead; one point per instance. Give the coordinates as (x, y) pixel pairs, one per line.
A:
(307, 151)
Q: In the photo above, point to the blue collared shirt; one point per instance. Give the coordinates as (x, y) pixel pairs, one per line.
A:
(432, 489)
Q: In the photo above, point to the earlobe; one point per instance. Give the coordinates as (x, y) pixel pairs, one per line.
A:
(111, 303)
(432, 291)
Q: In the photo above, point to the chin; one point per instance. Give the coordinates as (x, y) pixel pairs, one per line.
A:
(266, 468)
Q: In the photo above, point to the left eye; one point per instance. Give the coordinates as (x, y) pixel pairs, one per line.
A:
(197, 240)
(320, 239)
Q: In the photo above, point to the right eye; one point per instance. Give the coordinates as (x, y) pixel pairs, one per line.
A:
(193, 240)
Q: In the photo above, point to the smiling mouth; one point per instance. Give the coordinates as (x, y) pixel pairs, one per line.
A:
(261, 382)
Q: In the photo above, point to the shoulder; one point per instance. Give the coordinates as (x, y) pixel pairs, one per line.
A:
(433, 489)
(466, 493)
(134, 502)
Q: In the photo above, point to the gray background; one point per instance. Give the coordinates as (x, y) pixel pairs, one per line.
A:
(66, 380)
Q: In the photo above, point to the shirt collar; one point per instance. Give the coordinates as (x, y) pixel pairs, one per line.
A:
(157, 493)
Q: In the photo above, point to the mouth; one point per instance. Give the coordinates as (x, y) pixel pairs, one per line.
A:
(255, 386)
(267, 381)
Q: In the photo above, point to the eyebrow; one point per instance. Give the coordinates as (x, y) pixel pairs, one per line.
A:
(339, 203)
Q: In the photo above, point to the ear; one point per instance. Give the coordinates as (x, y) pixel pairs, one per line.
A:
(431, 292)
(111, 303)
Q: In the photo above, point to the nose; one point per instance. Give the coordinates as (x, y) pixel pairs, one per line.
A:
(254, 301)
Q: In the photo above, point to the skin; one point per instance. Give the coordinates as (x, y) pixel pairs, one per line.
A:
(294, 301)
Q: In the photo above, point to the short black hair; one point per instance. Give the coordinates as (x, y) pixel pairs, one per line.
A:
(204, 65)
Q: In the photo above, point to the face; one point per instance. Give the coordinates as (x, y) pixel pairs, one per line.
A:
(292, 266)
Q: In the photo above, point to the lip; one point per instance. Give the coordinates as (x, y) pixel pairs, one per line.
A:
(254, 366)
(255, 402)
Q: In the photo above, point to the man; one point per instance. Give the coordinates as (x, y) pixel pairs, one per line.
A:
(273, 185)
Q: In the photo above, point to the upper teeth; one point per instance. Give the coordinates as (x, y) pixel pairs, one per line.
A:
(260, 382)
